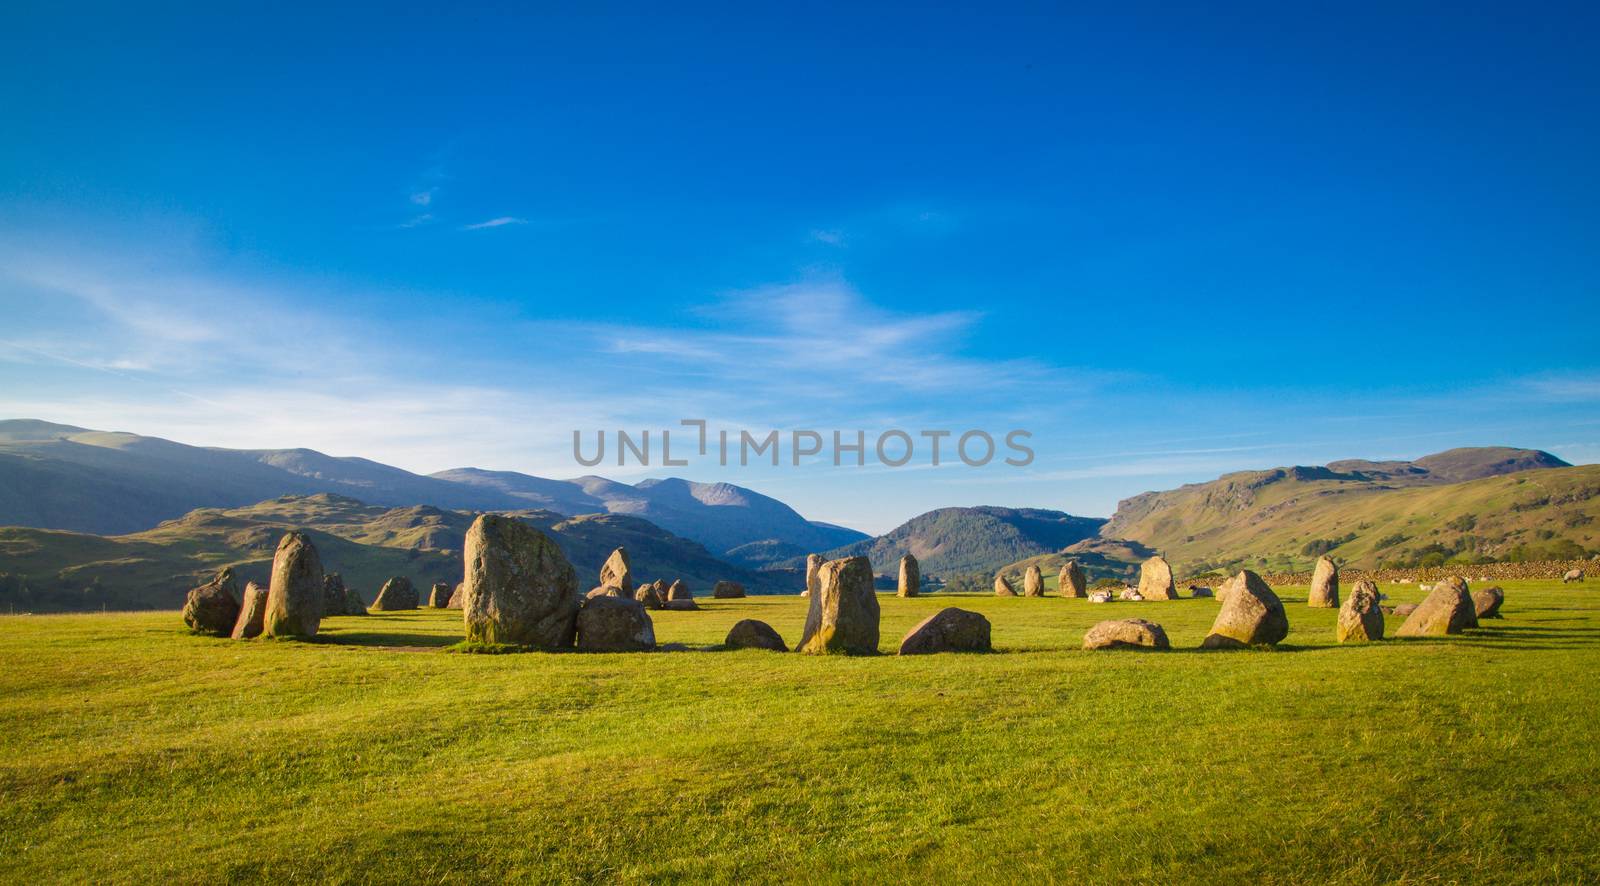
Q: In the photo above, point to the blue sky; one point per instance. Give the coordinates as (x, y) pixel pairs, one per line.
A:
(1169, 242)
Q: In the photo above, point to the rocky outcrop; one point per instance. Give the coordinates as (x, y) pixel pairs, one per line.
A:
(1126, 633)
(1155, 580)
(846, 607)
(1324, 585)
(948, 630)
(519, 587)
(294, 596)
(1360, 618)
(213, 608)
(1251, 615)
(752, 634)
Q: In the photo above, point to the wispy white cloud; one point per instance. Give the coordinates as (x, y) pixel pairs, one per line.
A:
(417, 220)
(502, 221)
(423, 197)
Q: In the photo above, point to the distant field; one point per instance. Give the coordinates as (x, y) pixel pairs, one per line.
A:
(136, 752)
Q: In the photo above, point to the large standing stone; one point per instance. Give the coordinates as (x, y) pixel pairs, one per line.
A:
(1155, 580)
(1486, 603)
(1126, 633)
(752, 634)
(1251, 615)
(213, 608)
(1324, 585)
(948, 630)
(813, 565)
(679, 591)
(615, 624)
(617, 572)
(396, 594)
(519, 587)
(727, 590)
(252, 612)
(294, 597)
(1072, 582)
(1360, 618)
(1032, 582)
(335, 599)
(847, 610)
(1002, 588)
(439, 597)
(910, 577)
(1447, 609)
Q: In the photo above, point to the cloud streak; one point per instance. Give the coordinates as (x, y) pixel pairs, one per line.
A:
(500, 222)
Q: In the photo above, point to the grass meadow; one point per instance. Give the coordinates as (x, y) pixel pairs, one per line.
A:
(137, 752)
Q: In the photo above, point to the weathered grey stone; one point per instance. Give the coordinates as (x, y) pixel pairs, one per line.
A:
(687, 605)
(457, 596)
(1002, 588)
(294, 596)
(948, 630)
(679, 591)
(1324, 585)
(1032, 582)
(615, 624)
(1072, 582)
(1361, 617)
(252, 612)
(1251, 615)
(1126, 633)
(1447, 609)
(1155, 580)
(335, 600)
(617, 572)
(727, 590)
(752, 634)
(1487, 602)
(649, 596)
(910, 577)
(439, 597)
(847, 610)
(353, 604)
(213, 608)
(519, 587)
(397, 594)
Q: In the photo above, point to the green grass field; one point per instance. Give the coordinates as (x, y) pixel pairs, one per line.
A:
(136, 752)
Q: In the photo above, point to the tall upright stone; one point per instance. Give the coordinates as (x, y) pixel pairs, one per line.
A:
(1360, 619)
(213, 608)
(1072, 582)
(617, 573)
(910, 577)
(1002, 587)
(1155, 580)
(294, 596)
(1447, 609)
(1032, 582)
(813, 566)
(519, 587)
(1324, 585)
(846, 609)
(252, 612)
(1251, 615)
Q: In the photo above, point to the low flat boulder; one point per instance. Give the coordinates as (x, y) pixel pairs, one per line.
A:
(948, 630)
(1447, 609)
(1360, 616)
(752, 634)
(727, 590)
(1251, 615)
(252, 612)
(1487, 602)
(1126, 633)
(614, 624)
(213, 608)
(396, 595)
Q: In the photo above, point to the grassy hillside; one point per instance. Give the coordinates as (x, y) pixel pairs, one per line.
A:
(139, 753)
(1282, 519)
(47, 570)
(953, 541)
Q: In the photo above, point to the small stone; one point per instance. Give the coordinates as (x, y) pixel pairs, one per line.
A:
(910, 577)
(1126, 633)
(727, 590)
(1487, 602)
(252, 612)
(439, 597)
(616, 572)
(614, 624)
(1360, 618)
(1002, 588)
(752, 634)
(213, 608)
(335, 600)
(396, 595)
(679, 591)
(948, 630)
